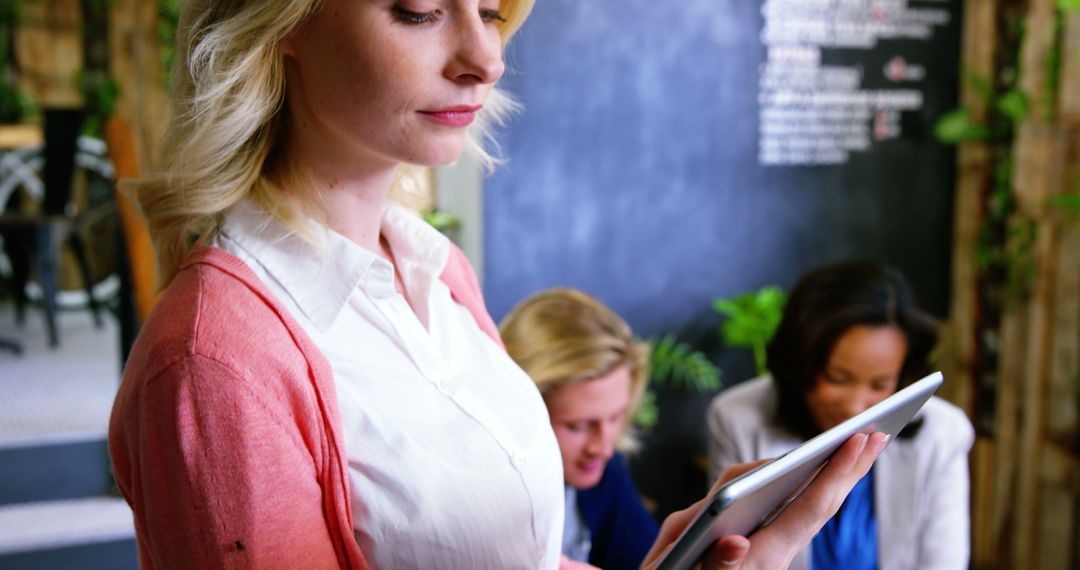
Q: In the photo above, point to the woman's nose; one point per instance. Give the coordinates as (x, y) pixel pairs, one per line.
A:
(478, 55)
(856, 404)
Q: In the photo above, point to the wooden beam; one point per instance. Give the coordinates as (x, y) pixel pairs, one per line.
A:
(1069, 83)
(1036, 177)
(959, 346)
(1003, 516)
(1038, 44)
(984, 553)
(50, 51)
(135, 53)
(1063, 401)
(1059, 489)
(958, 353)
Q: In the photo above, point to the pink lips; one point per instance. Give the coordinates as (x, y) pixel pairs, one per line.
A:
(459, 116)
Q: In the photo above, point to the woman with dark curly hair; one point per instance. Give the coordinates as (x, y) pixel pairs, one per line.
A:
(851, 336)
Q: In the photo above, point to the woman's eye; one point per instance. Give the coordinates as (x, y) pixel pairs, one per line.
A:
(490, 15)
(415, 18)
(832, 379)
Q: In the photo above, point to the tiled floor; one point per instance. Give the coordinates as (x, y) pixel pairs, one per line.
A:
(54, 396)
(58, 524)
(62, 393)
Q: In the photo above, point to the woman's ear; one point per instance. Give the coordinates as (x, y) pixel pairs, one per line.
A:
(288, 44)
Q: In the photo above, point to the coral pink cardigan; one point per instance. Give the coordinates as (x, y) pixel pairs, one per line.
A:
(225, 435)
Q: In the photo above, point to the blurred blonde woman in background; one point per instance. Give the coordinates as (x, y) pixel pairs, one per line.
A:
(319, 384)
(592, 373)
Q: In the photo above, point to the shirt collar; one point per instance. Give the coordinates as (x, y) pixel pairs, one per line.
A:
(321, 276)
(420, 250)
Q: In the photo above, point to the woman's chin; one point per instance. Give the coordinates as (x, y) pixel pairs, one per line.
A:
(438, 155)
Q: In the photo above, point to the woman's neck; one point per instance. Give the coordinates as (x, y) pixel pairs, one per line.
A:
(352, 183)
(355, 211)
(353, 197)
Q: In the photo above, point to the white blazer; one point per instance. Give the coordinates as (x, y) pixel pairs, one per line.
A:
(920, 484)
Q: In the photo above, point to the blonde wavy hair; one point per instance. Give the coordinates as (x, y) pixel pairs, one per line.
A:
(224, 139)
(564, 336)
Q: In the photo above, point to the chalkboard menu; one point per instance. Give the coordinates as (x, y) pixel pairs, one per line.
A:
(672, 152)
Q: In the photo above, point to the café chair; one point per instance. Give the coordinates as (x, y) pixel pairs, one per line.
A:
(36, 239)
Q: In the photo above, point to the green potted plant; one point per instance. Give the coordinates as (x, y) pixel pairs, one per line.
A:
(751, 320)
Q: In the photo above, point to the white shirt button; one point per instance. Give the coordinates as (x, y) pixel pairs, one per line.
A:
(518, 458)
(444, 386)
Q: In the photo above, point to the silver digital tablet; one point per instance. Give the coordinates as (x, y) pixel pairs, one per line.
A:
(753, 499)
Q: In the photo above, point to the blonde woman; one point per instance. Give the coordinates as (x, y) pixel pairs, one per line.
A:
(319, 385)
(591, 372)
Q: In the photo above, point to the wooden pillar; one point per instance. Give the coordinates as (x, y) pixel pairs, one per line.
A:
(1045, 147)
(973, 174)
(1069, 87)
(135, 53)
(1060, 469)
(50, 51)
(959, 346)
(1025, 466)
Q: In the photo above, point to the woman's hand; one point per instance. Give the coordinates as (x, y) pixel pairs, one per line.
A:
(775, 545)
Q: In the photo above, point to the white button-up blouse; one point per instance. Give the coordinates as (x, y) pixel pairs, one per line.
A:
(452, 462)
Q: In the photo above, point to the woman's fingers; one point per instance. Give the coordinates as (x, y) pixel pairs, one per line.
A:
(776, 544)
(846, 467)
(670, 530)
(676, 522)
(728, 552)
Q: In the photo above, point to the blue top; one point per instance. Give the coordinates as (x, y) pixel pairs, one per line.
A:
(620, 529)
(849, 539)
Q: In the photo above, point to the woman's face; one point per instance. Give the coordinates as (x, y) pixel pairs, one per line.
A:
(588, 418)
(863, 369)
(389, 81)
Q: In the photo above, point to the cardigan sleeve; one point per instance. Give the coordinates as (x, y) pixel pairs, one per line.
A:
(222, 476)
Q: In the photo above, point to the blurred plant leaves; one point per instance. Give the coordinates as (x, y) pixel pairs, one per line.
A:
(647, 414)
(956, 126)
(442, 221)
(1014, 105)
(752, 319)
(675, 363)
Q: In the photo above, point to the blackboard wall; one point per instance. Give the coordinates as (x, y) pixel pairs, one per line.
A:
(633, 174)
